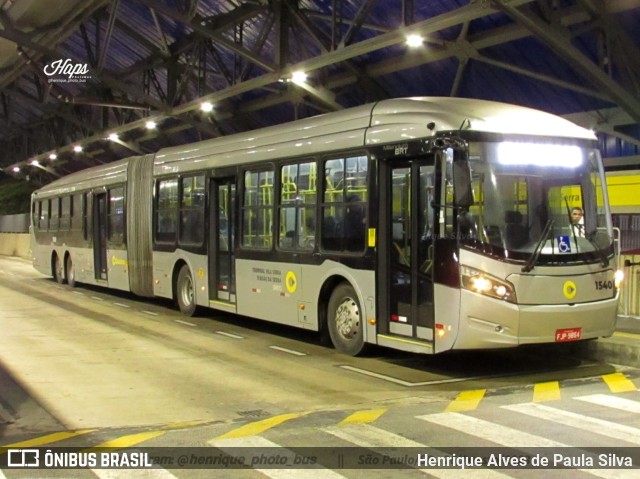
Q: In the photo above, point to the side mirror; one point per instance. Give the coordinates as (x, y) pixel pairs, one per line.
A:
(462, 191)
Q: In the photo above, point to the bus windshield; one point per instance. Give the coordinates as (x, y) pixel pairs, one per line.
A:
(532, 196)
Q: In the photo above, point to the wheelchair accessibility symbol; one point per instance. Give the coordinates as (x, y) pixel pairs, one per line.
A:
(564, 244)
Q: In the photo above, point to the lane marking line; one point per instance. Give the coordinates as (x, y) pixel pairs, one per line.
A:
(618, 383)
(127, 441)
(579, 421)
(229, 335)
(269, 449)
(258, 427)
(363, 417)
(48, 439)
(288, 351)
(549, 391)
(614, 402)
(466, 401)
(402, 382)
(365, 435)
(187, 323)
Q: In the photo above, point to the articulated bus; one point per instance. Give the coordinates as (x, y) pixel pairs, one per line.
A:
(421, 224)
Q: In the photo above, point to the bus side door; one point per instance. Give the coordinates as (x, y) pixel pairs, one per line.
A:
(406, 252)
(222, 240)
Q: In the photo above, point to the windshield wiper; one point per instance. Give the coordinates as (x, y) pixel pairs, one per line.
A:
(603, 257)
(539, 245)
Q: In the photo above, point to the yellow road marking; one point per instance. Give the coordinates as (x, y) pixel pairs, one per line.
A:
(258, 427)
(363, 417)
(466, 401)
(127, 441)
(185, 424)
(49, 438)
(618, 383)
(549, 391)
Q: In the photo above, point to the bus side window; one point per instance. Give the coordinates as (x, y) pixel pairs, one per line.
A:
(297, 206)
(192, 211)
(167, 210)
(65, 213)
(54, 219)
(345, 204)
(44, 214)
(257, 209)
(116, 215)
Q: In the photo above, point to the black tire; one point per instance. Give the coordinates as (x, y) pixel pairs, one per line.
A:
(58, 269)
(70, 273)
(186, 292)
(345, 321)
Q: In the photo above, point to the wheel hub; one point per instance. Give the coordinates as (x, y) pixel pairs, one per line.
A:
(348, 318)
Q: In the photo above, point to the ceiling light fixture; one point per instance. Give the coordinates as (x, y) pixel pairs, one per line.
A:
(298, 77)
(414, 40)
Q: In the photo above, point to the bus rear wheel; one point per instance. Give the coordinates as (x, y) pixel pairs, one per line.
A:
(58, 269)
(70, 273)
(345, 321)
(186, 292)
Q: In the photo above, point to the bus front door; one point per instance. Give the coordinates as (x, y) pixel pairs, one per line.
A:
(100, 235)
(407, 252)
(222, 258)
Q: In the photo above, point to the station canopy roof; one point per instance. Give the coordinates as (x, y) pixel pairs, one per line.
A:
(126, 77)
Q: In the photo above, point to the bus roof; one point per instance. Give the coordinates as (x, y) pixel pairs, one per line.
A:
(387, 121)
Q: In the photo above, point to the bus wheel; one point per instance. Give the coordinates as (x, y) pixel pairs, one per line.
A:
(345, 320)
(58, 269)
(70, 273)
(185, 292)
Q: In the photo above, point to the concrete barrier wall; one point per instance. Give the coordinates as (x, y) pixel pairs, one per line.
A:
(14, 223)
(15, 244)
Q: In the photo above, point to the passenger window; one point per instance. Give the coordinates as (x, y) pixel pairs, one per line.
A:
(166, 211)
(345, 204)
(192, 210)
(116, 215)
(257, 209)
(65, 213)
(44, 214)
(297, 207)
(54, 219)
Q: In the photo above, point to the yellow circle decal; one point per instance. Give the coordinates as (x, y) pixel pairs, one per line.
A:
(569, 289)
(291, 282)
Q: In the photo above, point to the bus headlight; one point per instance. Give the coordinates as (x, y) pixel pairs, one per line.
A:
(618, 277)
(480, 282)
